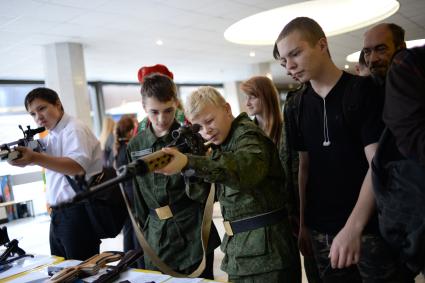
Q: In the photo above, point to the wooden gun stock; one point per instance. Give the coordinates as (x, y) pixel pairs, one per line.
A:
(90, 266)
(156, 160)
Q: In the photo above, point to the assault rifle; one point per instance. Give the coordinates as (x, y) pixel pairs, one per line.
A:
(7, 150)
(186, 139)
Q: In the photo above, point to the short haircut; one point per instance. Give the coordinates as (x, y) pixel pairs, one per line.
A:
(201, 97)
(310, 30)
(398, 35)
(160, 87)
(43, 93)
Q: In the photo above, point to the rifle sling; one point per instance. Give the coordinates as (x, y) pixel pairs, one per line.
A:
(205, 233)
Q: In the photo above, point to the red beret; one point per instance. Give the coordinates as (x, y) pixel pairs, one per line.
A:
(158, 68)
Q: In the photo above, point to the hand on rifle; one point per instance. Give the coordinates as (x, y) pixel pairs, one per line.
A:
(177, 163)
(26, 157)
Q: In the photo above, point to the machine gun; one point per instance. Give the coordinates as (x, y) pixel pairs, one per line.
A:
(7, 150)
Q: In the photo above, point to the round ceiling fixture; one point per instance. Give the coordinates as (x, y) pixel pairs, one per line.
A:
(334, 16)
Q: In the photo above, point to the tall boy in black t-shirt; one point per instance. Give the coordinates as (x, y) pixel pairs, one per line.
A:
(336, 198)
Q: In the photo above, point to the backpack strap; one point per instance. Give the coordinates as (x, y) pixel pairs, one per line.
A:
(355, 94)
(293, 111)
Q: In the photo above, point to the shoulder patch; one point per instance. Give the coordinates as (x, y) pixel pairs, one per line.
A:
(140, 153)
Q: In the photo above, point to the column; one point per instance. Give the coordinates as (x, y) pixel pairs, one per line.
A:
(65, 73)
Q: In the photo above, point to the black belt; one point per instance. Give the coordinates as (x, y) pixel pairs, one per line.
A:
(170, 210)
(255, 222)
(54, 208)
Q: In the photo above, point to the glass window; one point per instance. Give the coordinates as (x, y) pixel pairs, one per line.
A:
(13, 114)
(123, 99)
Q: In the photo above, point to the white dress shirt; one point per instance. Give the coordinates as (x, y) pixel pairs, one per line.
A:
(70, 138)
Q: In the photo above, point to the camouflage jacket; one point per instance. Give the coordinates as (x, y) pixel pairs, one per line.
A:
(175, 240)
(249, 179)
(289, 157)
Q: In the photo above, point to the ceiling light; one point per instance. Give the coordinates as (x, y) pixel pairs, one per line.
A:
(346, 66)
(252, 54)
(159, 42)
(335, 17)
(354, 57)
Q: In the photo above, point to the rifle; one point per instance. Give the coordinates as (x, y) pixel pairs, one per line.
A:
(90, 266)
(186, 139)
(113, 272)
(7, 150)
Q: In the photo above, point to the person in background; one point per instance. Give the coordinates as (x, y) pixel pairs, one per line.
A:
(159, 69)
(262, 102)
(123, 133)
(71, 149)
(380, 42)
(361, 66)
(107, 139)
(402, 196)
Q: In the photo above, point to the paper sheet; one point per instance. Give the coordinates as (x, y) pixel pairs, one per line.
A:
(27, 263)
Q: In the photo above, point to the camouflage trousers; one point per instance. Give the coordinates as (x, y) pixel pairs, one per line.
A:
(377, 263)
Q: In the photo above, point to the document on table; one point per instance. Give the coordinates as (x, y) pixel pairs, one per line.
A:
(134, 275)
(184, 280)
(26, 264)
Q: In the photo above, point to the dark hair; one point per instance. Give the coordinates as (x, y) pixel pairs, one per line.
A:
(398, 35)
(159, 86)
(310, 30)
(265, 90)
(123, 127)
(362, 61)
(43, 93)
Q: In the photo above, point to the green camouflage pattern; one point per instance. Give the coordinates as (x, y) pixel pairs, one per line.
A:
(176, 240)
(249, 180)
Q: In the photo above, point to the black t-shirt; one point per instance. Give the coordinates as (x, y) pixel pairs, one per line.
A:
(336, 172)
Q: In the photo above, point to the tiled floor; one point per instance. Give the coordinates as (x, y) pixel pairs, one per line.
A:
(32, 234)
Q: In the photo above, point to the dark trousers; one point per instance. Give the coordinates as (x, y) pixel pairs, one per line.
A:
(71, 233)
(130, 242)
(377, 263)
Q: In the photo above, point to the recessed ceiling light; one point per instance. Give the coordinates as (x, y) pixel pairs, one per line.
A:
(354, 57)
(346, 66)
(252, 54)
(159, 42)
(335, 17)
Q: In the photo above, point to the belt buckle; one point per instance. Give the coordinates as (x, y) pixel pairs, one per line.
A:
(228, 228)
(164, 212)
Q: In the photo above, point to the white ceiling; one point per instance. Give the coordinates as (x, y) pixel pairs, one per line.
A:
(119, 36)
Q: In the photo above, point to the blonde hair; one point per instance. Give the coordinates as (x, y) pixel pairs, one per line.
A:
(107, 128)
(264, 89)
(201, 97)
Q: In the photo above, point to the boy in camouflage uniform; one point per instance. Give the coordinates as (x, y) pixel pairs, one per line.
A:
(245, 166)
(176, 239)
